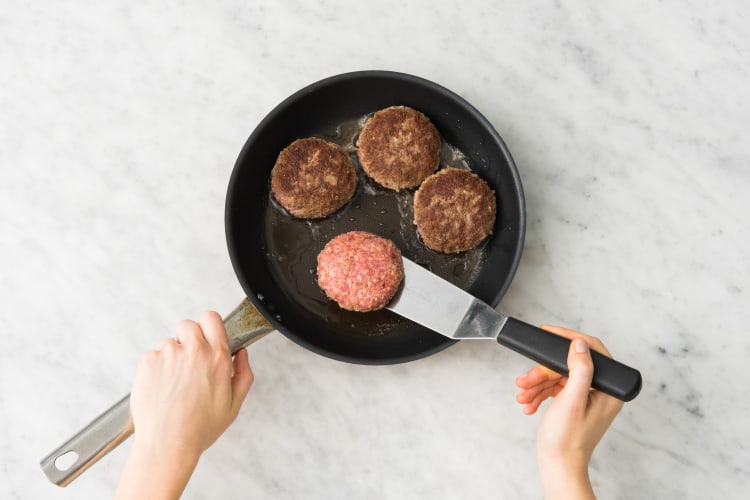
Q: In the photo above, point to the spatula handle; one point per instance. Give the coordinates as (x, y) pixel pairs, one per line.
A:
(550, 350)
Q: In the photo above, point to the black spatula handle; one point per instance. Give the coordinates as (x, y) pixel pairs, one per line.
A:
(550, 350)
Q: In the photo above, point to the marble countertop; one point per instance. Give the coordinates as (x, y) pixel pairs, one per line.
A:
(119, 126)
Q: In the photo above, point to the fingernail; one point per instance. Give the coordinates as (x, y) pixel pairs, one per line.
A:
(580, 345)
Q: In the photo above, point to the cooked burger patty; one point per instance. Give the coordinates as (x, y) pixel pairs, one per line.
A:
(454, 210)
(313, 178)
(399, 147)
(360, 271)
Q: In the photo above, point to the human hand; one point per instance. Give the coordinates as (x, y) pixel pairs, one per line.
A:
(186, 393)
(576, 420)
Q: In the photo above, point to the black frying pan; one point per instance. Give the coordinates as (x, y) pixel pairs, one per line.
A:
(274, 254)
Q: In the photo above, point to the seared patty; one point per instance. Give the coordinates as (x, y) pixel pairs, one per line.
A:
(399, 147)
(454, 210)
(360, 271)
(313, 178)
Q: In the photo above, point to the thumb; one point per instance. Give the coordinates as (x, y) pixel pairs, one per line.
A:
(241, 380)
(581, 371)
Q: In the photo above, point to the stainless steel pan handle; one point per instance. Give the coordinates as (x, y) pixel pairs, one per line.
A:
(244, 326)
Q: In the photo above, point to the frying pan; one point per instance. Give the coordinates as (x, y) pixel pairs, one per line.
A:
(260, 237)
(273, 254)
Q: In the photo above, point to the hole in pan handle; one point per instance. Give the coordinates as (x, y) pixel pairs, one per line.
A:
(91, 443)
(610, 376)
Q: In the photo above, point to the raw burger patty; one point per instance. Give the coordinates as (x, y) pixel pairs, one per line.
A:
(313, 178)
(399, 147)
(454, 210)
(360, 271)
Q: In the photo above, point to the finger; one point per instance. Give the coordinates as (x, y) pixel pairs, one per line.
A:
(597, 345)
(241, 380)
(164, 343)
(581, 371)
(605, 405)
(527, 395)
(145, 361)
(188, 332)
(593, 342)
(213, 330)
(546, 392)
(536, 375)
(534, 405)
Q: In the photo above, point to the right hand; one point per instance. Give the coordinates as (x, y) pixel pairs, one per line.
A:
(578, 417)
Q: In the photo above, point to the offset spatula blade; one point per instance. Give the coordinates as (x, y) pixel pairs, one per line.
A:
(439, 305)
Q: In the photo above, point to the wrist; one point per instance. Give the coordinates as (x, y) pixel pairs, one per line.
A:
(564, 461)
(565, 476)
(156, 473)
(164, 456)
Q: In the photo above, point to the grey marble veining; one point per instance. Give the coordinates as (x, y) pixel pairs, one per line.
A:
(119, 126)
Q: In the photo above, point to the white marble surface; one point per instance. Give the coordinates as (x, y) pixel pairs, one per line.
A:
(120, 123)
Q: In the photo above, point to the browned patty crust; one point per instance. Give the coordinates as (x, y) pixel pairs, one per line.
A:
(454, 210)
(399, 147)
(313, 178)
(361, 271)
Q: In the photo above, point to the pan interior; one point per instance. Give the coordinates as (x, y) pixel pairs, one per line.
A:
(291, 245)
(274, 255)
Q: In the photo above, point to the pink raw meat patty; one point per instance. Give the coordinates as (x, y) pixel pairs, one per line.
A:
(360, 271)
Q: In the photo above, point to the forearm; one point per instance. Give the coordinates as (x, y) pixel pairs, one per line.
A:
(564, 480)
(155, 474)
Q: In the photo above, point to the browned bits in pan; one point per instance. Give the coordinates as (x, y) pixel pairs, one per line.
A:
(313, 178)
(454, 210)
(399, 147)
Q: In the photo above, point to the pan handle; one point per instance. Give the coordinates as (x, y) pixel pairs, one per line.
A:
(610, 376)
(91, 443)
(244, 326)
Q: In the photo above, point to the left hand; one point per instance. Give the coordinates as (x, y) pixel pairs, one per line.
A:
(186, 393)
(188, 390)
